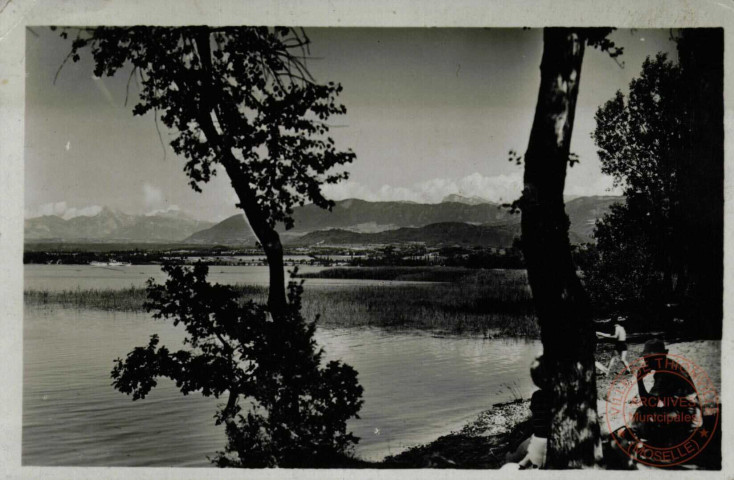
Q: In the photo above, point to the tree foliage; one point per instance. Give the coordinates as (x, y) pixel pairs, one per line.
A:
(639, 139)
(619, 271)
(701, 213)
(251, 86)
(639, 136)
(298, 408)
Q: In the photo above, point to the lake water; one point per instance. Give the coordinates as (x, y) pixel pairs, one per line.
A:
(417, 386)
(72, 277)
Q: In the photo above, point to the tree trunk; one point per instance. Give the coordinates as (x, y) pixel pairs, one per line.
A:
(560, 300)
(265, 233)
(701, 221)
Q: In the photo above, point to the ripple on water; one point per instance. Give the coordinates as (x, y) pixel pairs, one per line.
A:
(417, 387)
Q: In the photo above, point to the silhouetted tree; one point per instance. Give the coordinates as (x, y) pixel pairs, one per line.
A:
(299, 409)
(561, 303)
(640, 140)
(663, 143)
(620, 271)
(701, 213)
(240, 98)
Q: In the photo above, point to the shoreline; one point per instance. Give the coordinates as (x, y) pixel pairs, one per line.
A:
(483, 442)
(443, 308)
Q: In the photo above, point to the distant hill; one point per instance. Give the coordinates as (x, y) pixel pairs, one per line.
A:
(113, 226)
(231, 231)
(350, 218)
(358, 216)
(456, 198)
(447, 233)
(347, 214)
(584, 211)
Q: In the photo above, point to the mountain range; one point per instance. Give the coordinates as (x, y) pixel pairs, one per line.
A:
(355, 221)
(455, 220)
(370, 217)
(114, 226)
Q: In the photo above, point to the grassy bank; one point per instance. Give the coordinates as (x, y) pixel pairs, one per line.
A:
(493, 303)
(414, 274)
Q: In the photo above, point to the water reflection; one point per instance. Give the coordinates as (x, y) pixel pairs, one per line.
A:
(84, 277)
(417, 387)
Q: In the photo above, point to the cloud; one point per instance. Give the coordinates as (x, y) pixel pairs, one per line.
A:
(600, 185)
(53, 208)
(61, 209)
(88, 211)
(499, 188)
(159, 211)
(154, 198)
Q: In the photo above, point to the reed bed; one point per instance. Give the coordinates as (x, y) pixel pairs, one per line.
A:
(492, 303)
(125, 300)
(417, 274)
(451, 308)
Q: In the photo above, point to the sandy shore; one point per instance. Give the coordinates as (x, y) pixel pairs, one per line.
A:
(484, 442)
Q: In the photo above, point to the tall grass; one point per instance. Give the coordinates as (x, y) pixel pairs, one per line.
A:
(493, 303)
(419, 274)
(455, 308)
(126, 300)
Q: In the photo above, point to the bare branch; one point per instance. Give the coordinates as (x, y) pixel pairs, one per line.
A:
(160, 136)
(66, 59)
(127, 87)
(71, 53)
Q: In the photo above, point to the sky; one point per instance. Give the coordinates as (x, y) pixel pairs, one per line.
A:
(430, 112)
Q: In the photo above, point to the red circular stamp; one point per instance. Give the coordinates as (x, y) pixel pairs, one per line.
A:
(664, 412)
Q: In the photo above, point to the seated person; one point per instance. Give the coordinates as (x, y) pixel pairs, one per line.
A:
(670, 411)
(532, 452)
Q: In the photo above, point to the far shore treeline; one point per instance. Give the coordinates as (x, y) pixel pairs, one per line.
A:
(371, 255)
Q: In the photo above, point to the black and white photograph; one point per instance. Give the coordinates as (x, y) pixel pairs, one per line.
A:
(372, 247)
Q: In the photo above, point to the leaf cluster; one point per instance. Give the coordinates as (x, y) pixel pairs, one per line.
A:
(298, 407)
(640, 140)
(639, 136)
(620, 272)
(599, 38)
